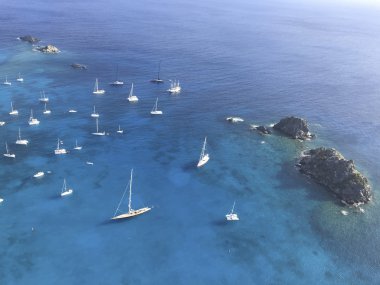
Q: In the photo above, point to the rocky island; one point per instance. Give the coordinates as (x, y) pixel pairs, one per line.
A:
(78, 66)
(47, 49)
(263, 130)
(29, 39)
(294, 127)
(328, 167)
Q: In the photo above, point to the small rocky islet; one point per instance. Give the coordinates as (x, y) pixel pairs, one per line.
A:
(29, 39)
(294, 127)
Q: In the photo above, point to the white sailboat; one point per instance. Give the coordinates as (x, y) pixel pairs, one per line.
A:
(13, 112)
(2, 123)
(98, 91)
(59, 150)
(8, 154)
(73, 111)
(65, 191)
(155, 111)
(77, 147)
(158, 79)
(204, 157)
(174, 87)
(97, 133)
(120, 131)
(117, 82)
(21, 141)
(1, 200)
(131, 97)
(19, 78)
(39, 174)
(33, 121)
(46, 111)
(43, 98)
(232, 216)
(94, 114)
(131, 212)
(6, 82)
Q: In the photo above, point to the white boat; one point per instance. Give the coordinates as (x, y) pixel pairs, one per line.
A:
(131, 97)
(72, 111)
(2, 123)
(6, 82)
(232, 216)
(65, 191)
(97, 133)
(8, 154)
(33, 121)
(77, 147)
(117, 82)
(234, 119)
(89, 163)
(154, 110)
(19, 78)
(46, 111)
(59, 150)
(204, 157)
(39, 174)
(1, 200)
(43, 98)
(94, 114)
(131, 212)
(158, 79)
(174, 87)
(21, 141)
(13, 112)
(98, 91)
(120, 131)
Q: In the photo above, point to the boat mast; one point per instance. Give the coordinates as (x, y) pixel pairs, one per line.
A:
(96, 85)
(233, 207)
(131, 92)
(203, 149)
(122, 197)
(130, 193)
(58, 144)
(159, 69)
(19, 134)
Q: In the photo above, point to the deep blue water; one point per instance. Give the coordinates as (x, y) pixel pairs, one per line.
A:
(260, 61)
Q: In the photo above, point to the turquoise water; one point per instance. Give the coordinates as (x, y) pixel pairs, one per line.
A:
(254, 60)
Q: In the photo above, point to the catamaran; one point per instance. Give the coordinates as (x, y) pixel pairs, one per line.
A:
(13, 112)
(8, 154)
(98, 91)
(117, 82)
(21, 141)
(154, 110)
(120, 131)
(19, 78)
(204, 157)
(131, 97)
(174, 87)
(59, 150)
(97, 133)
(232, 216)
(77, 147)
(33, 121)
(94, 114)
(46, 111)
(6, 82)
(65, 191)
(43, 98)
(131, 212)
(158, 79)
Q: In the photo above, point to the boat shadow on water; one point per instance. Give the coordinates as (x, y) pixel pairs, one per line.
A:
(190, 166)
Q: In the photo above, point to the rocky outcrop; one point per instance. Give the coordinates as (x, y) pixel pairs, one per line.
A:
(29, 39)
(329, 168)
(78, 66)
(294, 127)
(263, 129)
(47, 49)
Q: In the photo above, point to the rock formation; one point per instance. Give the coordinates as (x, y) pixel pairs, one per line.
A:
(48, 49)
(29, 39)
(294, 127)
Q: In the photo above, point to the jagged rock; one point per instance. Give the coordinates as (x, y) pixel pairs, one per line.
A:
(264, 130)
(48, 49)
(294, 127)
(78, 66)
(328, 167)
(29, 39)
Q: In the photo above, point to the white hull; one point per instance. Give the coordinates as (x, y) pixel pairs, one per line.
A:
(34, 122)
(44, 100)
(132, 213)
(133, 98)
(2, 123)
(156, 112)
(47, 112)
(120, 131)
(99, 134)
(23, 142)
(13, 113)
(174, 90)
(66, 193)
(39, 174)
(11, 155)
(117, 83)
(1, 200)
(7, 83)
(20, 79)
(204, 160)
(60, 151)
(72, 111)
(99, 92)
(232, 217)
(78, 148)
(95, 115)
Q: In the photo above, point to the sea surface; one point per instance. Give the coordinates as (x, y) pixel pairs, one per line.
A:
(260, 60)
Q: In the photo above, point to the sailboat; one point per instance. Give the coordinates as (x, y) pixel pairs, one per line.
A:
(21, 141)
(131, 97)
(120, 131)
(33, 121)
(77, 147)
(97, 133)
(13, 112)
(65, 191)
(98, 91)
(46, 111)
(1, 200)
(158, 80)
(232, 216)
(174, 87)
(59, 150)
(204, 157)
(8, 154)
(117, 82)
(6, 82)
(154, 110)
(19, 78)
(131, 212)
(94, 114)
(43, 98)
